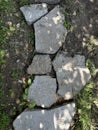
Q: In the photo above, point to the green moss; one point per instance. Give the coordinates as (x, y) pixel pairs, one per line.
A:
(3, 33)
(15, 74)
(90, 66)
(67, 25)
(4, 121)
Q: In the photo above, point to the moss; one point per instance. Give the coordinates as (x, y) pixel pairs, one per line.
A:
(4, 121)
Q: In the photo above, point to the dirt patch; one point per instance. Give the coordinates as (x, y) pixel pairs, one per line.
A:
(18, 51)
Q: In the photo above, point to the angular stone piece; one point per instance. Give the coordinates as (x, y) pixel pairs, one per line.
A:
(49, 1)
(41, 64)
(55, 119)
(43, 91)
(33, 12)
(50, 32)
(72, 75)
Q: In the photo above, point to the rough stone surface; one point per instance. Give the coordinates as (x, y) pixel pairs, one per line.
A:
(55, 119)
(33, 12)
(41, 64)
(43, 91)
(50, 32)
(71, 73)
(49, 1)
(62, 61)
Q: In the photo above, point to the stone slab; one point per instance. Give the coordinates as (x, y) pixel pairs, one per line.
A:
(41, 64)
(71, 81)
(50, 32)
(33, 12)
(62, 61)
(55, 119)
(43, 91)
(72, 75)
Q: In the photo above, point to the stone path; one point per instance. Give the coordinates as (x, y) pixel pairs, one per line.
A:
(55, 119)
(70, 73)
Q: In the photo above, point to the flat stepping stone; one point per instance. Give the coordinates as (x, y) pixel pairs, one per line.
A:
(43, 91)
(64, 61)
(55, 119)
(49, 1)
(72, 75)
(50, 32)
(33, 12)
(41, 64)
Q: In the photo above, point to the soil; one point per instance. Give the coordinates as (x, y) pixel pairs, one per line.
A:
(19, 51)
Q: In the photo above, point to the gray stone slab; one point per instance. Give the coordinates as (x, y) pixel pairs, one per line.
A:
(71, 81)
(64, 62)
(33, 12)
(55, 119)
(72, 75)
(49, 1)
(41, 64)
(43, 91)
(50, 32)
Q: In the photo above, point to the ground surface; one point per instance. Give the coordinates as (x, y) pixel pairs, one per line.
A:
(16, 52)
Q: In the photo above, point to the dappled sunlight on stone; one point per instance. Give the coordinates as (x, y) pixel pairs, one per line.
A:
(43, 111)
(43, 106)
(41, 126)
(57, 19)
(58, 74)
(19, 117)
(72, 75)
(68, 95)
(54, 119)
(50, 27)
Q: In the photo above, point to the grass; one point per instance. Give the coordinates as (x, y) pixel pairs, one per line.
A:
(90, 66)
(8, 30)
(84, 104)
(4, 121)
(25, 2)
(67, 22)
(79, 10)
(1, 93)
(6, 9)
(25, 102)
(15, 74)
(67, 25)
(2, 64)
(85, 101)
(3, 33)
